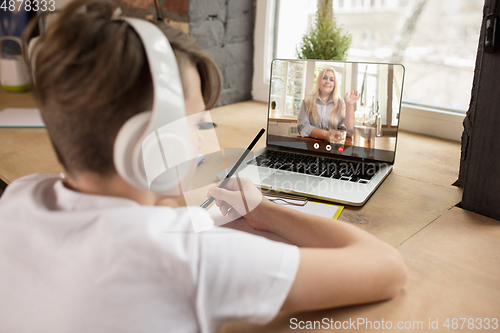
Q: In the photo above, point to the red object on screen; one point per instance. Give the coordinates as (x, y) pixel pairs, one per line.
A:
(341, 149)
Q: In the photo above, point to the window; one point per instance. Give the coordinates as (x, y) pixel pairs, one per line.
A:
(270, 40)
(368, 75)
(436, 41)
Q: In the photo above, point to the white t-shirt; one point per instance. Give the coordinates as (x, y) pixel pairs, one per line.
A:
(73, 262)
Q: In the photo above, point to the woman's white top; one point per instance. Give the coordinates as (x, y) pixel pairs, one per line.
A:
(73, 262)
(323, 121)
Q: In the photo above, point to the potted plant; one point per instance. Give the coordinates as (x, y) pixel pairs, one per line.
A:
(327, 40)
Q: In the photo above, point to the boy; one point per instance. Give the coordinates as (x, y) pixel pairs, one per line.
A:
(90, 253)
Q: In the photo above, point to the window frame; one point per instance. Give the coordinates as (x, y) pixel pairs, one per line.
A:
(413, 118)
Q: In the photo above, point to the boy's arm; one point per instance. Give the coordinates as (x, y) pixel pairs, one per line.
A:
(340, 264)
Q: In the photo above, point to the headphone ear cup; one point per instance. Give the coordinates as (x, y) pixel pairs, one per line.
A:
(155, 152)
(123, 151)
(152, 174)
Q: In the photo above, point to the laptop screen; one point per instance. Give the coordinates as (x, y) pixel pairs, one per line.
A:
(335, 107)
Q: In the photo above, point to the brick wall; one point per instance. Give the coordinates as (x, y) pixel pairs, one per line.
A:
(176, 10)
(224, 28)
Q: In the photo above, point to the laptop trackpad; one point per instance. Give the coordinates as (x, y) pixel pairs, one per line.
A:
(289, 181)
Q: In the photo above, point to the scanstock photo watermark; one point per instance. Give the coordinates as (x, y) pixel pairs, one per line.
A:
(362, 324)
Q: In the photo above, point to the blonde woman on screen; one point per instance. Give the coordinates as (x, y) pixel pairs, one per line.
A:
(324, 110)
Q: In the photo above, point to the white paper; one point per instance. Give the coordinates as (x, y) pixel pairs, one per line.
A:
(313, 208)
(20, 117)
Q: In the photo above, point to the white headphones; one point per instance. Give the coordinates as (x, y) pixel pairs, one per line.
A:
(153, 149)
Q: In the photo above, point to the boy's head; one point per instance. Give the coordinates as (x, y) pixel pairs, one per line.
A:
(91, 75)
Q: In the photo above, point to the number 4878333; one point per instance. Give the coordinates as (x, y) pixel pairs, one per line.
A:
(28, 5)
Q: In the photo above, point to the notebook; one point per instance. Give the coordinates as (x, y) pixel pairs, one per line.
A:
(21, 117)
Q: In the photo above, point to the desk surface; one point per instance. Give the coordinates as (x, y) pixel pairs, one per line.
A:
(417, 191)
(454, 269)
(453, 256)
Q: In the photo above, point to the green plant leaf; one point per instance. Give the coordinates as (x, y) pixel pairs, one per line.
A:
(327, 41)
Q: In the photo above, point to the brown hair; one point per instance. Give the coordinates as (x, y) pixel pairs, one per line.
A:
(91, 74)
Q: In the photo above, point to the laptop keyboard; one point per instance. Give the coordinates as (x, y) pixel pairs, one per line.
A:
(317, 166)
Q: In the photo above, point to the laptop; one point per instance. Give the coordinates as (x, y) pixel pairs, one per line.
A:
(346, 166)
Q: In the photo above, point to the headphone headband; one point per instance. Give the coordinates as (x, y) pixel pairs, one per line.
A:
(167, 83)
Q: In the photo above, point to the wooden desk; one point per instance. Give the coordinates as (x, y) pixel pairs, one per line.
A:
(417, 192)
(454, 270)
(453, 256)
(24, 150)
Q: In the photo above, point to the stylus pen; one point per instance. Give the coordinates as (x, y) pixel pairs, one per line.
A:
(235, 167)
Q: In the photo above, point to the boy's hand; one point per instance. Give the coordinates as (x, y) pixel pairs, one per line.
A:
(240, 197)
